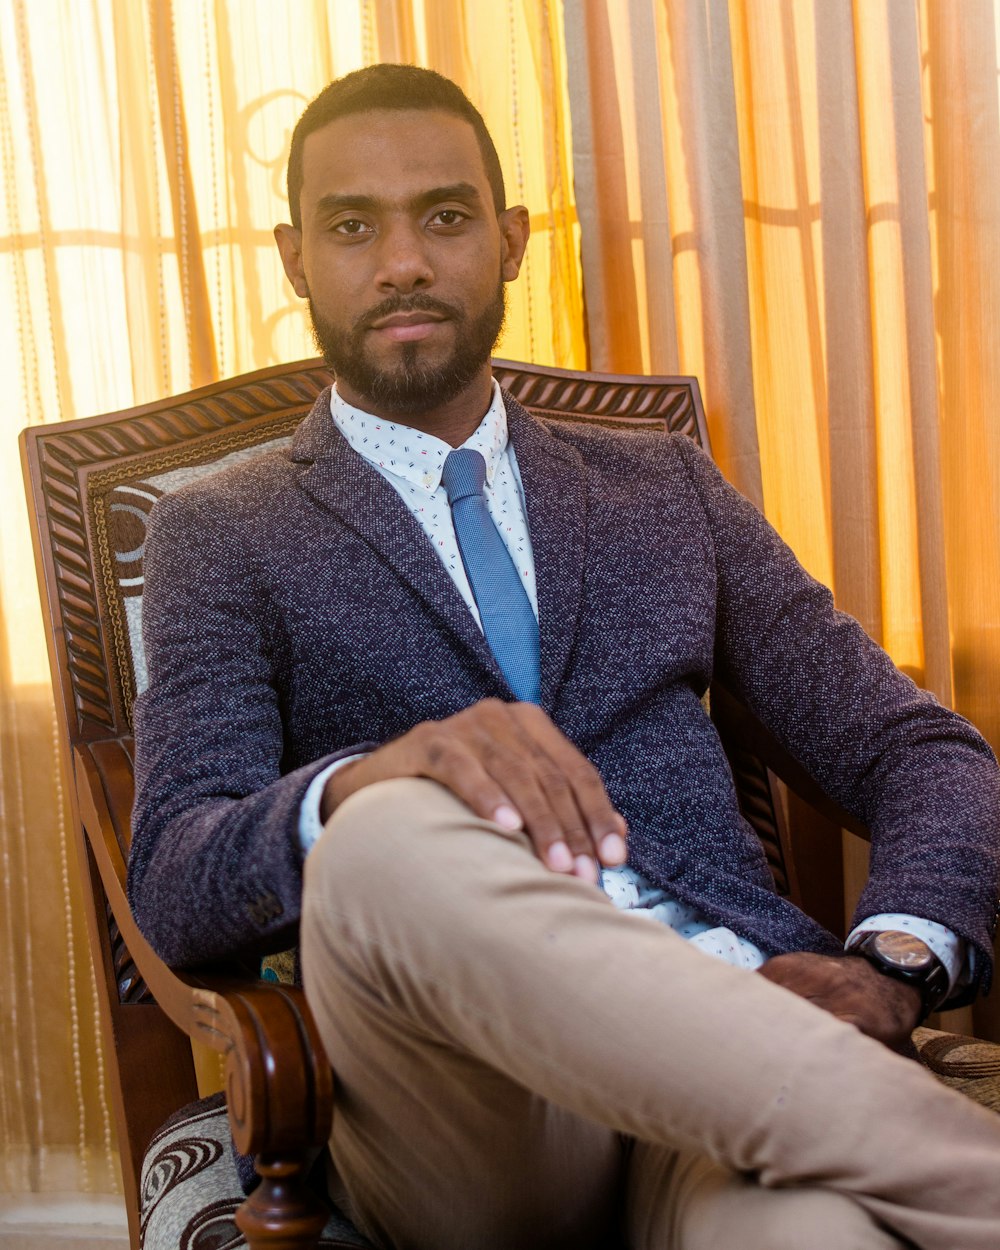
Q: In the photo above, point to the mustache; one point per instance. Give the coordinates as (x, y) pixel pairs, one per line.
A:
(418, 302)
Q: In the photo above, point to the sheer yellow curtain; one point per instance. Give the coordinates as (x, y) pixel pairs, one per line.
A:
(828, 176)
(142, 150)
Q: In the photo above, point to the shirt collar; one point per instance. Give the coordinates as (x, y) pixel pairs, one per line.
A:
(410, 454)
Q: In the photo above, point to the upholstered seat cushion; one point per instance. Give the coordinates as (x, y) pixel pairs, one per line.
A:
(191, 1190)
(966, 1064)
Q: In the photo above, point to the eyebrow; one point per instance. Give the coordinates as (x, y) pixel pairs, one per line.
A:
(334, 203)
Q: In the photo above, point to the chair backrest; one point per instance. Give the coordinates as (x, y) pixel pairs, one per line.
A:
(91, 485)
(94, 482)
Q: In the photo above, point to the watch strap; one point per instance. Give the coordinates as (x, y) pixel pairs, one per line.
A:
(933, 983)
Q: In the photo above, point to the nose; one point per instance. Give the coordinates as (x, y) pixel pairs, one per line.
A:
(403, 262)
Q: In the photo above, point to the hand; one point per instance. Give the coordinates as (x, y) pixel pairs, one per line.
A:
(851, 989)
(511, 765)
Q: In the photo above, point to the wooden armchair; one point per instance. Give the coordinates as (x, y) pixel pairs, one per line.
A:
(91, 484)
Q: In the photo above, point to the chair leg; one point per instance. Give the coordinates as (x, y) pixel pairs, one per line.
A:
(282, 1213)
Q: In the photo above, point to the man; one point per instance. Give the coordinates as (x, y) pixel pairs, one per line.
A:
(443, 664)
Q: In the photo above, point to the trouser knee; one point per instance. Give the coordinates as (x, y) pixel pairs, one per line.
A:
(404, 850)
(372, 834)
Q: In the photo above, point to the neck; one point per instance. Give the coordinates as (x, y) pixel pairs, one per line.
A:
(452, 421)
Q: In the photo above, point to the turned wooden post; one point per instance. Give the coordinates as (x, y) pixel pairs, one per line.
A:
(282, 1213)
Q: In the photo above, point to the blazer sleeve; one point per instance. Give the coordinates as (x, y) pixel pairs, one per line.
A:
(919, 776)
(215, 868)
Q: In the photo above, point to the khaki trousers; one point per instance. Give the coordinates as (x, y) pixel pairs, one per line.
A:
(521, 1065)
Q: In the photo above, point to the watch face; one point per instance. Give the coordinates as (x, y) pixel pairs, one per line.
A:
(903, 950)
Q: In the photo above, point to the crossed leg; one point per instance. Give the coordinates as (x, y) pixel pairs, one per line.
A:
(685, 1201)
(500, 1032)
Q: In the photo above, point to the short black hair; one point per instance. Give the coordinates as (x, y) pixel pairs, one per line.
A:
(388, 86)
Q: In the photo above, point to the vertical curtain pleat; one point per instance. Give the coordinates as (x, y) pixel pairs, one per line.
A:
(776, 105)
(190, 261)
(911, 522)
(961, 102)
(607, 168)
(397, 39)
(138, 143)
(657, 170)
(545, 34)
(847, 314)
(711, 282)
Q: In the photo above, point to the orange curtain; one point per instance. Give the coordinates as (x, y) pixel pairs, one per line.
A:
(827, 175)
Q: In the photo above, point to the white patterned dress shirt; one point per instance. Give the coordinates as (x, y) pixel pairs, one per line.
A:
(412, 463)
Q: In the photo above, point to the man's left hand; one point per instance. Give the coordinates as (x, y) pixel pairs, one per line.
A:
(851, 989)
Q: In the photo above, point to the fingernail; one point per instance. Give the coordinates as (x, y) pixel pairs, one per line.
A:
(585, 868)
(506, 817)
(613, 849)
(558, 857)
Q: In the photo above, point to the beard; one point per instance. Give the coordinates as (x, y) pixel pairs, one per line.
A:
(411, 385)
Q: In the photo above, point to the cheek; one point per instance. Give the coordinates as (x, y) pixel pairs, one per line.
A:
(338, 298)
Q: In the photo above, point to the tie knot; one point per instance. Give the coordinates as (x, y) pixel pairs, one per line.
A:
(464, 474)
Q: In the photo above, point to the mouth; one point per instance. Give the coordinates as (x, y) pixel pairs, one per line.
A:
(407, 327)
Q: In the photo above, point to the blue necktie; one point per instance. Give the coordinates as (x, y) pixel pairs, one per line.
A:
(504, 608)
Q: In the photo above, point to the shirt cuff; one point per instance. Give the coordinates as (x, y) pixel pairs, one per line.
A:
(310, 824)
(949, 948)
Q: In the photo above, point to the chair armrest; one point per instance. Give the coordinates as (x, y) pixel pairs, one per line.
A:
(279, 1085)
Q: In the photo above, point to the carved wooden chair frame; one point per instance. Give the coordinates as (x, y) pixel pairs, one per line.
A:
(278, 1085)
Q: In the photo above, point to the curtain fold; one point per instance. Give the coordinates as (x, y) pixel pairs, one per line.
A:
(798, 201)
(656, 162)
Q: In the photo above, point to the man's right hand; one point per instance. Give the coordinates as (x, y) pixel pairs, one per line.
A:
(511, 765)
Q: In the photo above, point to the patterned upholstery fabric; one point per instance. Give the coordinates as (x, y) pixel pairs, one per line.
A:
(121, 507)
(190, 1189)
(121, 504)
(967, 1064)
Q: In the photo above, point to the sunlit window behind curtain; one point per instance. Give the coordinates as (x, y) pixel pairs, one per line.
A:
(796, 200)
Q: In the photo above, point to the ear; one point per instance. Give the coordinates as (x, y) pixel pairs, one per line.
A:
(514, 230)
(289, 241)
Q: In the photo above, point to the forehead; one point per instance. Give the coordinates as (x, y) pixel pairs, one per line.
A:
(391, 154)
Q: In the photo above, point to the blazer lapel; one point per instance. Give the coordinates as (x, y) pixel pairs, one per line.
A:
(333, 474)
(554, 480)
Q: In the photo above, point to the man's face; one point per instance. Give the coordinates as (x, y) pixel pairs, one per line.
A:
(401, 256)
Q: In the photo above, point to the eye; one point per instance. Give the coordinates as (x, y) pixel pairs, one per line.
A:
(352, 226)
(448, 217)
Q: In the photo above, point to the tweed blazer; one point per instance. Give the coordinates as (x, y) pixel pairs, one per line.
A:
(295, 613)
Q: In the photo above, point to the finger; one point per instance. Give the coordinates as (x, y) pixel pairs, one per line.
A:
(855, 1018)
(605, 827)
(444, 757)
(802, 968)
(509, 745)
(505, 746)
(472, 764)
(549, 816)
(567, 814)
(782, 970)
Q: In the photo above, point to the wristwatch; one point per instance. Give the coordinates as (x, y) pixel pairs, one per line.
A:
(906, 958)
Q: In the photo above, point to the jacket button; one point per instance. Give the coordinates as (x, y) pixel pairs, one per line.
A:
(265, 907)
